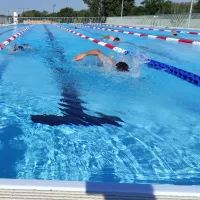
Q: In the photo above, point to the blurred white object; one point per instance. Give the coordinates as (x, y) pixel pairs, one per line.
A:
(15, 17)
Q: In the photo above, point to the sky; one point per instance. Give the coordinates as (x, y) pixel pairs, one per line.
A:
(9, 6)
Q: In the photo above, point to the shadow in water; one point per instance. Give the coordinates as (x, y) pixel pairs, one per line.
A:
(73, 113)
(10, 152)
(113, 191)
(3, 66)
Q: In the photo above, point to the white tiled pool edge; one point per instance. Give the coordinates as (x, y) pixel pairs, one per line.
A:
(100, 188)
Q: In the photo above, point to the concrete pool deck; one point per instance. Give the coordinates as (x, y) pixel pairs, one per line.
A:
(60, 190)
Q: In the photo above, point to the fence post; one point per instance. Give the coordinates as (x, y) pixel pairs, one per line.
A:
(191, 8)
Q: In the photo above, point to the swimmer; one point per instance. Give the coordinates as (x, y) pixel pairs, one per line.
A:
(2, 46)
(22, 47)
(120, 66)
(114, 39)
(26, 46)
(18, 48)
(174, 32)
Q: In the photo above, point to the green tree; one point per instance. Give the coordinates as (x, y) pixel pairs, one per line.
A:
(44, 13)
(109, 7)
(113, 7)
(197, 7)
(82, 13)
(95, 7)
(153, 6)
(167, 7)
(180, 8)
(66, 12)
(32, 13)
(140, 10)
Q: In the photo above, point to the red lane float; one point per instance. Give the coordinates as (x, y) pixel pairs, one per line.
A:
(149, 29)
(193, 42)
(110, 46)
(9, 40)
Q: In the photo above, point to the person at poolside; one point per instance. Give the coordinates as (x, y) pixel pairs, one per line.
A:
(114, 39)
(175, 33)
(120, 66)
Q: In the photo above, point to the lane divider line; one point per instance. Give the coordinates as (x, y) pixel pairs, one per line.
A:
(193, 42)
(9, 40)
(149, 29)
(110, 46)
(182, 74)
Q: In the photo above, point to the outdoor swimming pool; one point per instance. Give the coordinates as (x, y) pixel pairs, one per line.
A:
(138, 127)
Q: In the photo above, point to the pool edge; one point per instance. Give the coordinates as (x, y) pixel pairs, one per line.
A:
(101, 188)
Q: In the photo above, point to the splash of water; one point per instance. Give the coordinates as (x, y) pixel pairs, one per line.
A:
(135, 62)
(139, 59)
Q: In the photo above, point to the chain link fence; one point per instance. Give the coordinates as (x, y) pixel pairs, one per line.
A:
(163, 20)
(46, 20)
(5, 20)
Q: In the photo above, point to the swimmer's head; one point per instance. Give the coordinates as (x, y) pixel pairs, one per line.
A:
(116, 39)
(15, 47)
(122, 67)
(174, 32)
(21, 48)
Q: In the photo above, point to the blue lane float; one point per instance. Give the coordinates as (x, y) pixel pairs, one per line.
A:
(182, 74)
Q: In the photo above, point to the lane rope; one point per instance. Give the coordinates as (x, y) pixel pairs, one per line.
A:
(110, 46)
(9, 40)
(182, 74)
(193, 42)
(149, 29)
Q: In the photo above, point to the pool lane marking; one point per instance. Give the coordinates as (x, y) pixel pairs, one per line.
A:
(193, 42)
(149, 29)
(110, 46)
(179, 73)
(9, 40)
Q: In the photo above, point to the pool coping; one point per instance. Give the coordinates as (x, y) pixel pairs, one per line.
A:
(101, 188)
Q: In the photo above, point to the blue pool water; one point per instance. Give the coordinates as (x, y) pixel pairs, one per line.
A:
(141, 127)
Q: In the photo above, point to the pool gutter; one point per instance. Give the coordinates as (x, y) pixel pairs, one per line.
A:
(36, 189)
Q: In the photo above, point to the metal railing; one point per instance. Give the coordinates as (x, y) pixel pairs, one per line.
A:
(62, 20)
(169, 20)
(6, 20)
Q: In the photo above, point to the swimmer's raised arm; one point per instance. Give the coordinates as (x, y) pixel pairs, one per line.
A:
(95, 52)
(81, 56)
(115, 39)
(120, 66)
(106, 37)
